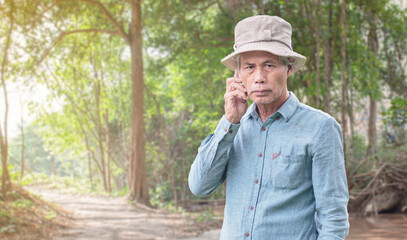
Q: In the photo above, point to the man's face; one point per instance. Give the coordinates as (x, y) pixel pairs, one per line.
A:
(264, 76)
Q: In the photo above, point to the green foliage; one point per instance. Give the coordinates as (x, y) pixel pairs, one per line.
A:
(205, 216)
(396, 115)
(3, 212)
(36, 178)
(23, 203)
(13, 175)
(358, 147)
(123, 192)
(76, 185)
(37, 158)
(50, 215)
(392, 154)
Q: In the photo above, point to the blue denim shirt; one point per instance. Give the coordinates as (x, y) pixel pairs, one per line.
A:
(285, 178)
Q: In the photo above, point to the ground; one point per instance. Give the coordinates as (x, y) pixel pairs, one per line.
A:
(91, 217)
(101, 217)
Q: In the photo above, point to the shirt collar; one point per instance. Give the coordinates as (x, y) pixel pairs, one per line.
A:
(286, 110)
(253, 112)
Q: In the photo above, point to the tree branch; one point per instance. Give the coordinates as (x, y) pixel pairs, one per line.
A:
(113, 21)
(92, 31)
(64, 34)
(39, 16)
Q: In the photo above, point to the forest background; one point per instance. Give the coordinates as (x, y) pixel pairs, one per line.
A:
(133, 87)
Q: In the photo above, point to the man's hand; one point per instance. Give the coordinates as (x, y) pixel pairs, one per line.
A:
(235, 99)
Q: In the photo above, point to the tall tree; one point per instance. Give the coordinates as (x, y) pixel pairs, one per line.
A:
(108, 17)
(5, 180)
(22, 161)
(374, 48)
(343, 73)
(316, 25)
(137, 168)
(328, 59)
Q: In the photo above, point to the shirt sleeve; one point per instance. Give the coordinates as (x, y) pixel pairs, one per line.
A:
(208, 171)
(329, 182)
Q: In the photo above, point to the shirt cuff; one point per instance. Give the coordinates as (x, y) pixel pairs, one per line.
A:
(226, 130)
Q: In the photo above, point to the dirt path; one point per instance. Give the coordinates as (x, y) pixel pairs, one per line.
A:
(111, 218)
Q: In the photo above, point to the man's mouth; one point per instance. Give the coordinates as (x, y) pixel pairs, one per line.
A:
(261, 92)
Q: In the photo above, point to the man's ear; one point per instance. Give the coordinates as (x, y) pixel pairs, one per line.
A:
(290, 69)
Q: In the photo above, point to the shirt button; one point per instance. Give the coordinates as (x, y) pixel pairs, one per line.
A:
(251, 207)
(256, 181)
(230, 131)
(263, 128)
(260, 155)
(247, 234)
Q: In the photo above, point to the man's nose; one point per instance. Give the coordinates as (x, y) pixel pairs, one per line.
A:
(259, 75)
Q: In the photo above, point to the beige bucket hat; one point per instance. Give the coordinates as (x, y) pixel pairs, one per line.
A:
(264, 33)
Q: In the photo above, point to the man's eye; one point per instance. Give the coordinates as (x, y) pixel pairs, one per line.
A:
(269, 66)
(249, 67)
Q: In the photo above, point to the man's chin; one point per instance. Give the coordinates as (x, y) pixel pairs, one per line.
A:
(262, 101)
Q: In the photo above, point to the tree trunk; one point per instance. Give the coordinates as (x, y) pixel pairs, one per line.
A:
(350, 105)
(317, 47)
(100, 135)
(343, 74)
(184, 185)
(72, 168)
(137, 165)
(5, 179)
(372, 132)
(173, 187)
(53, 166)
(90, 167)
(22, 163)
(327, 62)
(312, 64)
(108, 152)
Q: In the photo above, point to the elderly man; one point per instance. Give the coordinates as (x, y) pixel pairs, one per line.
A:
(282, 160)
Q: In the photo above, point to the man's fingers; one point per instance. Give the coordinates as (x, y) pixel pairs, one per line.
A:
(234, 94)
(235, 85)
(235, 78)
(230, 81)
(235, 89)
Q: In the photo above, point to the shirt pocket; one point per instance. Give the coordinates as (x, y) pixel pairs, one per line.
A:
(288, 171)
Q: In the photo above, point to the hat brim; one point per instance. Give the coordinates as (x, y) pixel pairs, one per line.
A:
(276, 48)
